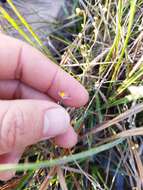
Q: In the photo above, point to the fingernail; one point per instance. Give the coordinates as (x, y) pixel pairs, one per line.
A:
(56, 121)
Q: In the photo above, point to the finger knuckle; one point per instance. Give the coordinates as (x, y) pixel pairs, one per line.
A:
(12, 128)
(19, 65)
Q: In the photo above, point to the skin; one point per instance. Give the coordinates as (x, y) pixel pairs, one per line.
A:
(30, 85)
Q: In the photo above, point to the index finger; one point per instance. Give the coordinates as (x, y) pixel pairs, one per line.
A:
(22, 62)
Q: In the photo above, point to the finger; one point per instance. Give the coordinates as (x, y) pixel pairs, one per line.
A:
(22, 62)
(25, 122)
(67, 139)
(13, 89)
(12, 157)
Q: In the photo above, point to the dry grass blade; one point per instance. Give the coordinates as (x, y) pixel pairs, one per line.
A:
(10, 185)
(136, 67)
(76, 182)
(46, 182)
(61, 178)
(139, 165)
(134, 110)
(130, 132)
(95, 61)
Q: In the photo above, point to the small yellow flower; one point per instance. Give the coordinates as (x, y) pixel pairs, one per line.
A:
(62, 94)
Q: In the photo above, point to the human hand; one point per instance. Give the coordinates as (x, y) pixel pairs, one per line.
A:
(30, 85)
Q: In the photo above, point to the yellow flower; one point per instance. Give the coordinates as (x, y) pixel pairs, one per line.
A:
(62, 94)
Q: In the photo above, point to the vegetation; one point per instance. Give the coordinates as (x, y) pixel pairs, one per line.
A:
(102, 47)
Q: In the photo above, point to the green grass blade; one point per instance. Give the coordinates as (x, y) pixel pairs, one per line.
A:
(130, 81)
(131, 19)
(63, 160)
(29, 28)
(24, 180)
(15, 25)
(117, 38)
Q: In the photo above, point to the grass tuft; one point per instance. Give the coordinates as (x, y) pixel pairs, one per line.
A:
(100, 43)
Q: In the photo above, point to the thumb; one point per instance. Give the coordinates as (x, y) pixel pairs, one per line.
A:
(25, 122)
